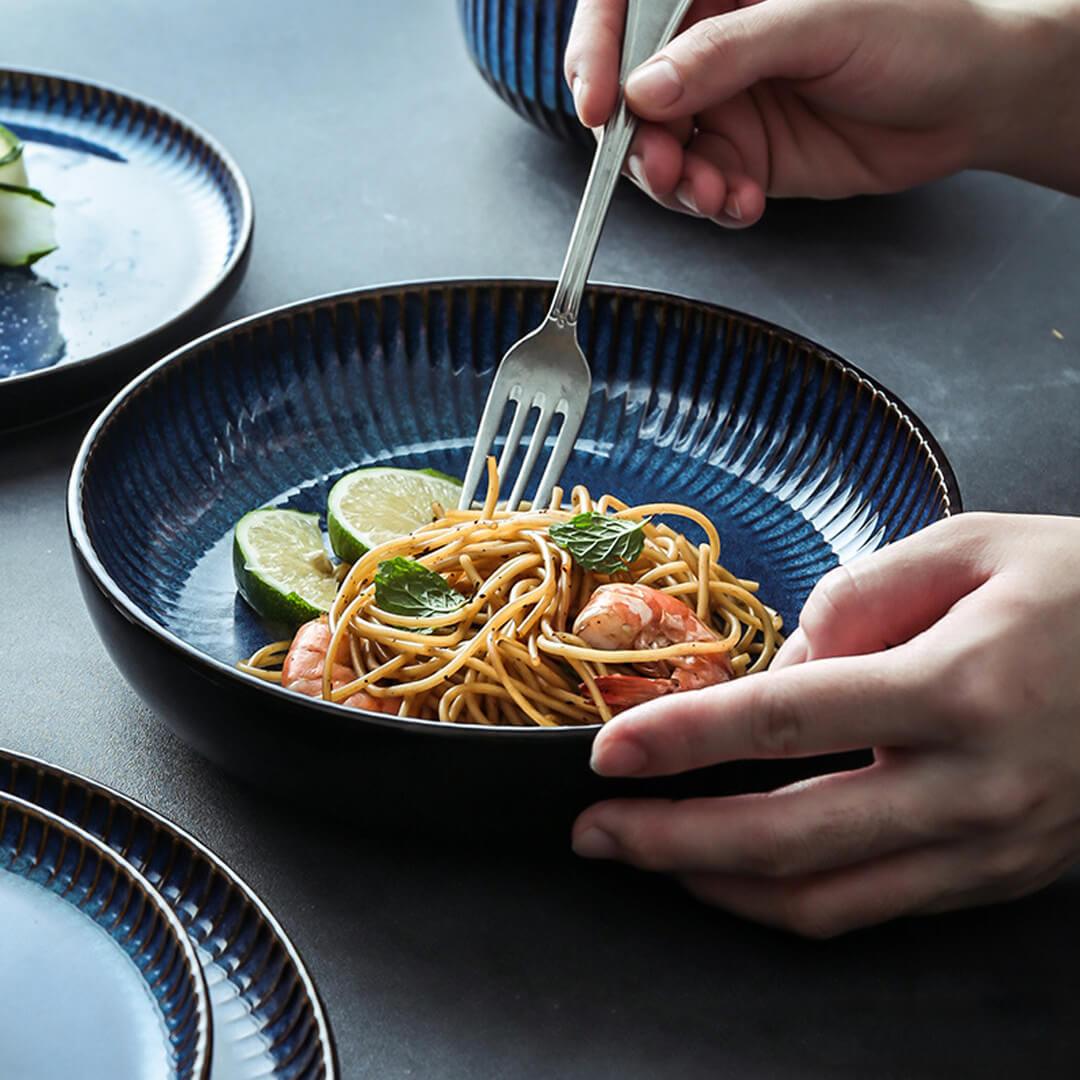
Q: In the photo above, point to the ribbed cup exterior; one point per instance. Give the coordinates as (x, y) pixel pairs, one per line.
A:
(518, 47)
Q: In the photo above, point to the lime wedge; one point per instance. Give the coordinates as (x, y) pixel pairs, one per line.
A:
(281, 566)
(370, 506)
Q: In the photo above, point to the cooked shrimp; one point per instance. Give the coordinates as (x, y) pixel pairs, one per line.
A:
(638, 617)
(303, 669)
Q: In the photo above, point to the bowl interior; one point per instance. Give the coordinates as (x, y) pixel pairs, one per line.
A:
(800, 460)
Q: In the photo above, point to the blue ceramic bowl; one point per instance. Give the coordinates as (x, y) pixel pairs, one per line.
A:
(802, 460)
(518, 47)
(58, 856)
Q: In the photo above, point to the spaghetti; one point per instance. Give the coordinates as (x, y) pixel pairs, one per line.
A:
(505, 652)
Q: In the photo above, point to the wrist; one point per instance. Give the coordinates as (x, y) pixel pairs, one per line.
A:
(1028, 124)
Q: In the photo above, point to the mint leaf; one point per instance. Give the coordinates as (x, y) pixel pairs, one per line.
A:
(600, 542)
(406, 587)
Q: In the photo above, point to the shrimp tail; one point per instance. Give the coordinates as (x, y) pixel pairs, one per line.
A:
(624, 691)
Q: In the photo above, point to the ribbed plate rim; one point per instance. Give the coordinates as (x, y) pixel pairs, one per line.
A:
(204, 1020)
(251, 898)
(84, 551)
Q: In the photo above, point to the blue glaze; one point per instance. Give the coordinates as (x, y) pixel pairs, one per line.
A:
(150, 220)
(798, 458)
(30, 337)
(36, 134)
(124, 997)
(518, 46)
(267, 1021)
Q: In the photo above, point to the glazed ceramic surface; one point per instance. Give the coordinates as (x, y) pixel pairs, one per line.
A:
(801, 460)
(103, 981)
(268, 1023)
(153, 221)
(518, 47)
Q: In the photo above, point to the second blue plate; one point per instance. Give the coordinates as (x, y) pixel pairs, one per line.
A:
(153, 219)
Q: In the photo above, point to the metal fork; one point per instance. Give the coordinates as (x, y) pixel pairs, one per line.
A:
(546, 370)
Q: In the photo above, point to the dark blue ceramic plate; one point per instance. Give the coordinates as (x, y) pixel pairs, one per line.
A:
(153, 221)
(124, 997)
(802, 461)
(518, 47)
(268, 1023)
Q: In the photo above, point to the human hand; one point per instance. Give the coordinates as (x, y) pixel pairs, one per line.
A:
(953, 653)
(831, 98)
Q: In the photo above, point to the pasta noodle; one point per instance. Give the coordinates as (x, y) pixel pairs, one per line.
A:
(508, 654)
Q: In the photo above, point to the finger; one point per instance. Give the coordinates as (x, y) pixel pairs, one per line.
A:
(794, 651)
(997, 890)
(894, 594)
(702, 188)
(730, 199)
(591, 64)
(717, 57)
(655, 160)
(820, 824)
(848, 703)
(922, 881)
(744, 205)
(838, 901)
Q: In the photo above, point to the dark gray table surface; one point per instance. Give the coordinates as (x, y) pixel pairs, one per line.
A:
(377, 154)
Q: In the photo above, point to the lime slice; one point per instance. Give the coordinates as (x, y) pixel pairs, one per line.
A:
(370, 506)
(12, 166)
(281, 566)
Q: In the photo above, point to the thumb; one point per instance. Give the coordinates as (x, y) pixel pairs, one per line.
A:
(716, 58)
(886, 598)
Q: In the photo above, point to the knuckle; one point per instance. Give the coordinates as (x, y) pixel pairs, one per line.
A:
(809, 916)
(646, 841)
(835, 593)
(705, 43)
(766, 852)
(1008, 865)
(776, 723)
(996, 802)
(979, 694)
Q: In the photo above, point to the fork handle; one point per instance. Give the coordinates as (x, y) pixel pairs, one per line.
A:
(650, 25)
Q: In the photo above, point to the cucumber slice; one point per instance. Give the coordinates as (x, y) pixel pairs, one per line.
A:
(12, 165)
(26, 225)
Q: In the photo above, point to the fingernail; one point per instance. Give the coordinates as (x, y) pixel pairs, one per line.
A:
(594, 843)
(623, 758)
(575, 89)
(636, 168)
(685, 194)
(658, 81)
(732, 208)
